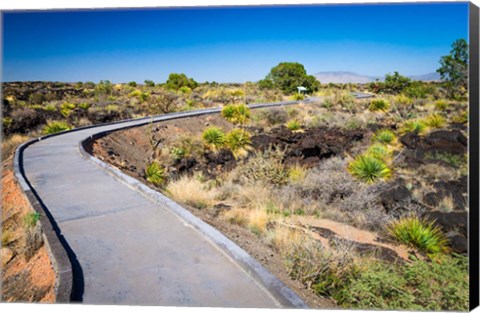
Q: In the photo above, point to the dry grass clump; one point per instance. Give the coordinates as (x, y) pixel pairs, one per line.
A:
(266, 168)
(11, 143)
(189, 190)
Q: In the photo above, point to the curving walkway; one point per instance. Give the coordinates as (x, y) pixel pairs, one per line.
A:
(130, 248)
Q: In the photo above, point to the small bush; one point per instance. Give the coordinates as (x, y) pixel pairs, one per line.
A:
(413, 126)
(31, 219)
(419, 233)
(266, 168)
(155, 173)
(191, 192)
(67, 108)
(275, 116)
(379, 105)
(378, 151)
(294, 125)
(149, 83)
(435, 121)
(368, 168)
(56, 127)
(298, 97)
(461, 117)
(385, 136)
(297, 173)
(441, 105)
(238, 141)
(132, 84)
(84, 105)
(403, 100)
(236, 114)
(214, 137)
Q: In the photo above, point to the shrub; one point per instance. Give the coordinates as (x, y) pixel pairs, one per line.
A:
(149, 83)
(403, 99)
(238, 141)
(275, 116)
(155, 173)
(379, 105)
(135, 94)
(441, 105)
(214, 137)
(384, 136)
(378, 151)
(67, 108)
(298, 96)
(368, 168)
(435, 121)
(413, 126)
(461, 117)
(266, 168)
(132, 84)
(236, 114)
(56, 127)
(294, 125)
(297, 173)
(419, 233)
(31, 219)
(176, 81)
(84, 105)
(185, 90)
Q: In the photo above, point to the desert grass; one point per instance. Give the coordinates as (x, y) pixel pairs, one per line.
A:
(11, 143)
(192, 192)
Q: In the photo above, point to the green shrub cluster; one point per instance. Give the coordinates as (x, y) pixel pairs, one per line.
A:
(237, 114)
(56, 127)
(155, 173)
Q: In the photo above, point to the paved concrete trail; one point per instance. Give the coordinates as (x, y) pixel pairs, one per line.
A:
(130, 249)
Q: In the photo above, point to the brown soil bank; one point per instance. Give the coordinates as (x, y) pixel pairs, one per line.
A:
(27, 272)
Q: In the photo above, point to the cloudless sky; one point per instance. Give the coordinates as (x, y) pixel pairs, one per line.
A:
(228, 44)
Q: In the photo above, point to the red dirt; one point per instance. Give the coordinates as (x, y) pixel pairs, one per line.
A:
(22, 280)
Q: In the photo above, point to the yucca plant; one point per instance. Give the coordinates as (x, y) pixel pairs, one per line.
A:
(238, 141)
(155, 173)
(294, 125)
(368, 168)
(413, 126)
(236, 114)
(56, 127)
(385, 136)
(435, 121)
(441, 105)
(379, 105)
(378, 151)
(214, 137)
(66, 108)
(419, 233)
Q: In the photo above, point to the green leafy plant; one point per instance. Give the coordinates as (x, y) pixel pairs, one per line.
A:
(238, 141)
(56, 127)
(31, 219)
(294, 125)
(155, 173)
(419, 233)
(236, 113)
(441, 105)
(385, 136)
(298, 96)
(378, 151)
(435, 121)
(214, 137)
(66, 108)
(379, 105)
(413, 126)
(368, 168)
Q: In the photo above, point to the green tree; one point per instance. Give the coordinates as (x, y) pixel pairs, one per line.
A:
(454, 68)
(395, 83)
(149, 83)
(287, 76)
(176, 81)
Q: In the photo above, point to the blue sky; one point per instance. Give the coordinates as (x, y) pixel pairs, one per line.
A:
(228, 44)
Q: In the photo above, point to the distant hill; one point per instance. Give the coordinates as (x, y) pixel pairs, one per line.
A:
(339, 77)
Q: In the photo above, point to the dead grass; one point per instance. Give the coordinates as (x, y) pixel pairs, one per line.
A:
(189, 190)
(11, 143)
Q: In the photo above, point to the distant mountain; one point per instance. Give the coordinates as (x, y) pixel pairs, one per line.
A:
(339, 77)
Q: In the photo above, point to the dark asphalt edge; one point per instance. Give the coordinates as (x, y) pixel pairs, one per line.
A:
(62, 256)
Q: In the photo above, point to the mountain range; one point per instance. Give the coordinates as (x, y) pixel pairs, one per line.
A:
(340, 77)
